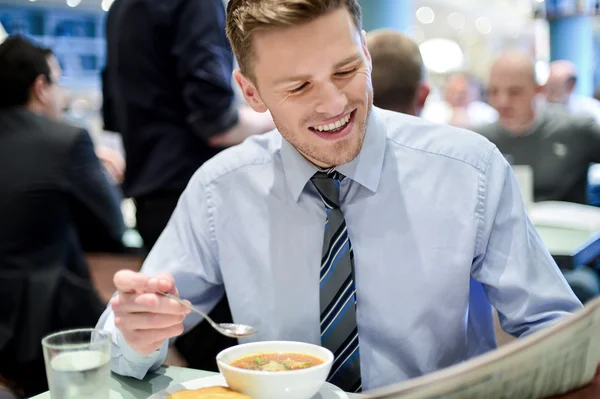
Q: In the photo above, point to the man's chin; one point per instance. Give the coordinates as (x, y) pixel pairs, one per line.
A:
(334, 153)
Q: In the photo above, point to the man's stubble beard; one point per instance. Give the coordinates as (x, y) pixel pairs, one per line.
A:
(341, 152)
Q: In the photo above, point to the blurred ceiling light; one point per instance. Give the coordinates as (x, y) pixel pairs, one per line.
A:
(542, 71)
(540, 1)
(106, 4)
(415, 33)
(442, 55)
(483, 25)
(425, 15)
(456, 20)
(73, 3)
(32, 1)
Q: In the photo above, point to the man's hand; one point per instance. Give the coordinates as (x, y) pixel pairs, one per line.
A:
(113, 162)
(590, 391)
(146, 319)
(249, 124)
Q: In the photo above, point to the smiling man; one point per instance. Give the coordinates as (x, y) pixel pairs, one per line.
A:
(363, 230)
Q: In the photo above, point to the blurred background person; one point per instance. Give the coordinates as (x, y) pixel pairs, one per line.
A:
(52, 190)
(461, 105)
(168, 90)
(559, 147)
(560, 89)
(398, 74)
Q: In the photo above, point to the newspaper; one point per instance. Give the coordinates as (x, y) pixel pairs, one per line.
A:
(549, 362)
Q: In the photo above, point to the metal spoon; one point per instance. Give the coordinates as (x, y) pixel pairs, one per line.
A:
(228, 329)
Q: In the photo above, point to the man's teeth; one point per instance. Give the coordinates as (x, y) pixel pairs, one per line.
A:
(333, 126)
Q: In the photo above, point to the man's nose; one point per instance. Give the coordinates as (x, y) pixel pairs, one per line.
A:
(331, 100)
(502, 100)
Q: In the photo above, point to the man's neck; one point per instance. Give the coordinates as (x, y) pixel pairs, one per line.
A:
(35, 108)
(524, 128)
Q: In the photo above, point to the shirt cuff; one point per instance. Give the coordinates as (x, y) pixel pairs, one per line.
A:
(125, 361)
(135, 358)
(206, 128)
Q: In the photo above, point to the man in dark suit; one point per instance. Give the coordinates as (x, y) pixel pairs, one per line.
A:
(52, 187)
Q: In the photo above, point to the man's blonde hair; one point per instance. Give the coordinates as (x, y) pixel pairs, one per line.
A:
(244, 17)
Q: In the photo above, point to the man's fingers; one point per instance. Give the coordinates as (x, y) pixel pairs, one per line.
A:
(163, 282)
(148, 302)
(115, 173)
(147, 321)
(130, 281)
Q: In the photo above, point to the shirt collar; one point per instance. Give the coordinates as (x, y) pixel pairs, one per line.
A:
(365, 169)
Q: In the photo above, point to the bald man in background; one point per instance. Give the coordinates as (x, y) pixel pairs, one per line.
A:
(398, 74)
(558, 146)
(560, 89)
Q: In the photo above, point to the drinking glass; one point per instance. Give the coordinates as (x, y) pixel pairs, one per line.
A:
(78, 363)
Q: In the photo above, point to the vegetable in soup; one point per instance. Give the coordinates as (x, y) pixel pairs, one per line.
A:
(277, 362)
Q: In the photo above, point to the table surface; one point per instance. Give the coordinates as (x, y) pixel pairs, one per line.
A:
(131, 388)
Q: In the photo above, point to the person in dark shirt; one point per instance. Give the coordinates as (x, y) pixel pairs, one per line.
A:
(52, 189)
(167, 89)
(558, 146)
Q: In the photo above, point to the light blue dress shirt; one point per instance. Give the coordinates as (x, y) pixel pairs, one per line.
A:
(438, 229)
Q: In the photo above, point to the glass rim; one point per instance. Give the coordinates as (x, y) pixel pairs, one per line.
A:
(47, 344)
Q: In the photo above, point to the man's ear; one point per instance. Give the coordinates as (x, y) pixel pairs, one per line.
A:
(571, 84)
(540, 89)
(250, 92)
(366, 49)
(38, 90)
(422, 93)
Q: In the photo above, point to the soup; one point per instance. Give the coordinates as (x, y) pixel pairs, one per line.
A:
(277, 362)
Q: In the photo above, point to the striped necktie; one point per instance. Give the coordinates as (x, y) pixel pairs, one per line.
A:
(339, 332)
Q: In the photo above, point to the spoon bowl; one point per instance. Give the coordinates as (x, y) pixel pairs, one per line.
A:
(232, 330)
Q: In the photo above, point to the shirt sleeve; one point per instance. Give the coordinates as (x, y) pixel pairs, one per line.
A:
(186, 250)
(518, 273)
(204, 65)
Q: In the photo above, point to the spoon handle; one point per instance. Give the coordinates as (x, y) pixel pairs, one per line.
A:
(189, 306)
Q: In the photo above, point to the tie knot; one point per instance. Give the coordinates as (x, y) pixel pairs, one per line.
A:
(328, 186)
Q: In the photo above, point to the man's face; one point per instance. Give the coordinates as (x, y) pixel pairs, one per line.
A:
(512, 93)
(51, 95)
(557, 90)
(315, 79)
(458, 92)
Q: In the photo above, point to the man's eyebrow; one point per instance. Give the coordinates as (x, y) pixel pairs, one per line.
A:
(348, 60)
(299, 78)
